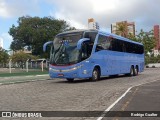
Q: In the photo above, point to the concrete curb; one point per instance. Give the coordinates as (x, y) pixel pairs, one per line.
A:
(16, 82)
(27, 76)
(22, 81)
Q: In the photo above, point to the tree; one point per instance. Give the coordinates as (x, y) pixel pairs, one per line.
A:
(3, 56)
(121, 29)
(33, 32)
(22, 57)
(147, 39)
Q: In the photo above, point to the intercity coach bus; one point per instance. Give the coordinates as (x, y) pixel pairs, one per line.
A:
(93, 54)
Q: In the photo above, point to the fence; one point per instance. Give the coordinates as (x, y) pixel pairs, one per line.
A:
(27, 66)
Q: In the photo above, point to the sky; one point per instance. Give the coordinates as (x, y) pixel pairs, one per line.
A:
(145, 13)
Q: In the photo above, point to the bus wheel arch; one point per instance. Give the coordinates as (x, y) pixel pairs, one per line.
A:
(96, 73)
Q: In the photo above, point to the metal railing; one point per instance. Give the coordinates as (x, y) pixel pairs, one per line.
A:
(28, 65)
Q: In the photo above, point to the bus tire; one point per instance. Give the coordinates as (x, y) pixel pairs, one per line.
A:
(95, 74)
(136, 71)
(70, 79)
(131, 73)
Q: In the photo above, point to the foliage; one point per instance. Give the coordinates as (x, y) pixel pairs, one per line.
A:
(121, 29)
(152, 59)
(147, 39)
(3, 56)
(22, 57)
(33, 32)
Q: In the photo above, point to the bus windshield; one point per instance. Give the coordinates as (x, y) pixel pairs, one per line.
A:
(63, 51)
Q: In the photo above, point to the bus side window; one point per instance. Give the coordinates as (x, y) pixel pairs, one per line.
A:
(86, 49)
(101, 43)
(91, 35)
(109, 43)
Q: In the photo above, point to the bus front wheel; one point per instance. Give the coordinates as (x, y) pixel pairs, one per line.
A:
(95, 74)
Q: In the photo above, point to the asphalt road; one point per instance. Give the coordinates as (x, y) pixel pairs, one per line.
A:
(59, 95)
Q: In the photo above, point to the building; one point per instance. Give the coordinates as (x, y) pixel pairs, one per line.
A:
(1, 43)
(123, 28)
(156, 32)
(92, 24)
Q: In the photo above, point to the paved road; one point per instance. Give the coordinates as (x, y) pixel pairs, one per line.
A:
(59, 95)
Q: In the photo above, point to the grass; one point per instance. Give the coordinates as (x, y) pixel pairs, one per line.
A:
(23, 73)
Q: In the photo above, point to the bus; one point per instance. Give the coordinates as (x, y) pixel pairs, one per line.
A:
(91, 54)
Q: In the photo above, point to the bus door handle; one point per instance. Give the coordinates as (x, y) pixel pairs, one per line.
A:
(92, 61)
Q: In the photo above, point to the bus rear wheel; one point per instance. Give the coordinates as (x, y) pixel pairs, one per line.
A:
(132, 72)
(95, 75)
(70, 79)
(136, 71)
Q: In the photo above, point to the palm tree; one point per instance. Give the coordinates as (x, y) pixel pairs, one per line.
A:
(121, 28)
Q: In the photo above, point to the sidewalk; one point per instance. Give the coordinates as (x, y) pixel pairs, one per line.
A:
(23, 73)
(21, 77)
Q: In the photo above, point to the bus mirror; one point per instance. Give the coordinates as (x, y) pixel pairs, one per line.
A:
(79, 44)
(45, 45)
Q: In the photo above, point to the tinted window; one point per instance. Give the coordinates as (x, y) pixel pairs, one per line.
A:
(117, 45)
(91, 35)
(104, 43)
(109, 43)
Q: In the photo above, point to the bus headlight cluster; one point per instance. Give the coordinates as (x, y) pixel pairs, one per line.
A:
(65, 70)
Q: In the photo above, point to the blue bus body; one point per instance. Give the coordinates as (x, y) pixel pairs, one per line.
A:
(107, 62)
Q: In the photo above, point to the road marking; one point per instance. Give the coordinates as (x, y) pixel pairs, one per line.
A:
(108, 109)
(123, 95)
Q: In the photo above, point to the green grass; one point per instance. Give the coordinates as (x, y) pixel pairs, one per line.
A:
(23, 73)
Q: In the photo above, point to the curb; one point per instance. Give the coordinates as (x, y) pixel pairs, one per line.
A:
(27, 76)
(22, 81)
(16, 82)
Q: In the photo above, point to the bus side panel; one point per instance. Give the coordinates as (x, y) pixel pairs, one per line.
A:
(100, 58)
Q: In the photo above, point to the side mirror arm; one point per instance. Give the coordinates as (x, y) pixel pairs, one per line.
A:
(79, 44)
(45, 45)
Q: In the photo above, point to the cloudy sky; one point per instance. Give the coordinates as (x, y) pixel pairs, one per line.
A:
(145, 13)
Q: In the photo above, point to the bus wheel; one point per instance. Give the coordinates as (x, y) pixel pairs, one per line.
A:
(132, 71)
(136, 71)
(70, 79)
(95, 74)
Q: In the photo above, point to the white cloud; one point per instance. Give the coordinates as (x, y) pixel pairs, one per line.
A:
(7, 39)
(16, 8)
(1, 43)
(143, 12)
(3, 9)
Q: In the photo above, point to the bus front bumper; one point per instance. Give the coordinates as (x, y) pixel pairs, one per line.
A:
(74, 72)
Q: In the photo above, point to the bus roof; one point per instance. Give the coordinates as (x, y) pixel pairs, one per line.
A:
(78, 30)
(119, 37)
(102, 32)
